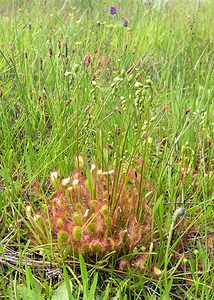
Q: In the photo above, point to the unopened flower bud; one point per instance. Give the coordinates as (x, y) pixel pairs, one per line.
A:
(196, 252)
(185, 260)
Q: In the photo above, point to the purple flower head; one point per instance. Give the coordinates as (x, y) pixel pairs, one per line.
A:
(113, 10)
(125, 22)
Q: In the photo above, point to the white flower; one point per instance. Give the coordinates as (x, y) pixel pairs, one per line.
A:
(86, 213)
(36, 218)
(66, 181)
(93, 167)
(99, 172)
(75, 182)
(54, 177)
(111, 172)
(28, 211)
(138, 85)
(180, 212)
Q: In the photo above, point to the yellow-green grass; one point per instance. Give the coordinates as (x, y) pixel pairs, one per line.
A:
(69, 86)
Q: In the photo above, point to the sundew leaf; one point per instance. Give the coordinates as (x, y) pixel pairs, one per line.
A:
(61, 293)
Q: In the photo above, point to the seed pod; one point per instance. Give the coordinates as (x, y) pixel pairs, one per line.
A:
(59, 44)
(137, 92)
(50, 51)
(130, 78)
(157, 272)
(144, 92)
(11, 46)
(123, 72)
(148, 81)
(76, 67)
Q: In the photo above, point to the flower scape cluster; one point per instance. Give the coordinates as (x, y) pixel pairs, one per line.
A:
(96, 214)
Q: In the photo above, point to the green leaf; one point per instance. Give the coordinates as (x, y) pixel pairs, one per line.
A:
(106, 295)
(27, 294)
(91, 295)
(61, 293)
(84, 275)
(68, 283)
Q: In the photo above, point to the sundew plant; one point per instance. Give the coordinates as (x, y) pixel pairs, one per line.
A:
(106, 149)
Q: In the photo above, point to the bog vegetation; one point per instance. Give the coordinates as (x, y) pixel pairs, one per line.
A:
(106, 132)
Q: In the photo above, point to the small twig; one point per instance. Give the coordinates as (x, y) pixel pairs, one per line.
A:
(12, 258)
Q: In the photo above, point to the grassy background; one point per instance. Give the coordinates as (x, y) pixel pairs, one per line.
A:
(59, 62)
